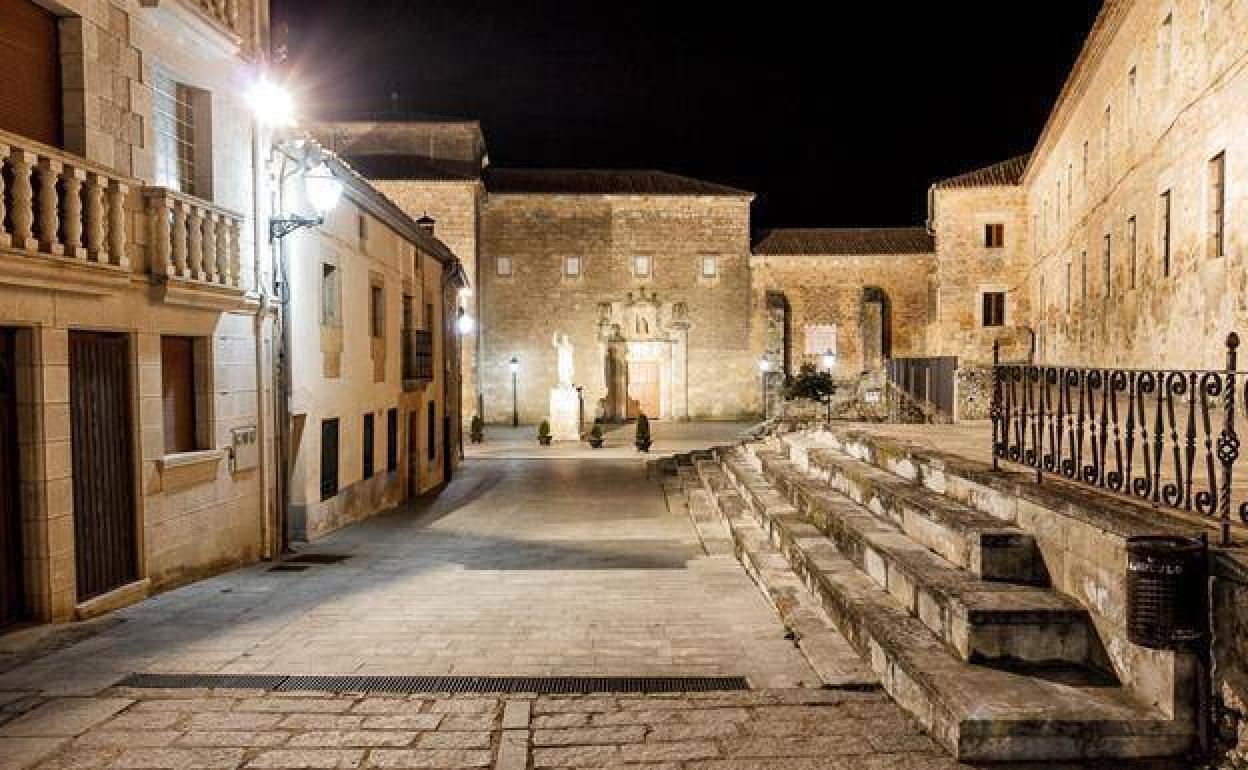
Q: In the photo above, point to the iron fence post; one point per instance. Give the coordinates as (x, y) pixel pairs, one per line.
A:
(995, 411)
(1228, 441)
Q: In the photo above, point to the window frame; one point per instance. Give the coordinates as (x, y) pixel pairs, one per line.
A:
(568, 262)
(713, 261)
(368, 444)
(992, 308)
(638, 259)
(498, 267)
(331, 294)
(181, 435)
(392, 439)
(994, 235)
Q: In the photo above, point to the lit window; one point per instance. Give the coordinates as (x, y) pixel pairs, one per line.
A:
(710, 267)
(994, 236)
(994, 308)
(502, 266)
(641, 267)
(572, 266)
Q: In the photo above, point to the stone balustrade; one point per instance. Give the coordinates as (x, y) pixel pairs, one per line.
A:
(53, 203)
(224, 12)
(191, 239)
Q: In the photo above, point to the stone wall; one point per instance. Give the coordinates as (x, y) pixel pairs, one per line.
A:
(829, 290)
(1148, 128)
(522, 312)
(966, 268)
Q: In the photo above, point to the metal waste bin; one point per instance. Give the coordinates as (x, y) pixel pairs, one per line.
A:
(1167, 579)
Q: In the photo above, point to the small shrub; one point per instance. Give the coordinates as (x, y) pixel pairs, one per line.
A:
(643, 428)
(543, 430)
(810, 383)
(596, 430)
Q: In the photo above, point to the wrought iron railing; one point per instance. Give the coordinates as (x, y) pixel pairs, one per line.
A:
(1165, 437)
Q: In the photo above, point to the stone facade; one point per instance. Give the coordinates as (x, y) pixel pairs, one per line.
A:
(99, 263)
(689, 331)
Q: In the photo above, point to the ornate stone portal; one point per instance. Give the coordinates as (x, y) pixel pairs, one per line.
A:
(565, 412)
(644, 345)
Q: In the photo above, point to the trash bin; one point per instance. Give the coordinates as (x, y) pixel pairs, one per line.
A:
(1166, 590)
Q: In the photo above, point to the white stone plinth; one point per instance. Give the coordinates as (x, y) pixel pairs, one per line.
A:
(565, 414)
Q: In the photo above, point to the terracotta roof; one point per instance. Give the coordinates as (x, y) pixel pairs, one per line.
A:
(846, 241)
(410, 167)
(601, 182)
(1003, 174)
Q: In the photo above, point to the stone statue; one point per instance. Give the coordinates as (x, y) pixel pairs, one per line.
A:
(563, 349)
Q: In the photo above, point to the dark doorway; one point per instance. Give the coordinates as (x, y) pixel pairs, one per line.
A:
(105, 544)
(877, 328)
(329, 458)
(12, 608)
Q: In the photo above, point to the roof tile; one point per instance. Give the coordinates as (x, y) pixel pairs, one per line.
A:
(845, 241)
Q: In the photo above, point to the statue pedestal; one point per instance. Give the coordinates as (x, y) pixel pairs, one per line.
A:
(565, 414)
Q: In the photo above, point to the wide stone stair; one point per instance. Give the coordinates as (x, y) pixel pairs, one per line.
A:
(952, 606)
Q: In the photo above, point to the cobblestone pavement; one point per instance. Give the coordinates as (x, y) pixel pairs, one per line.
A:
(794, 729)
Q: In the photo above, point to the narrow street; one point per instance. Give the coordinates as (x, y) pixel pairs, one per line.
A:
(521, 567)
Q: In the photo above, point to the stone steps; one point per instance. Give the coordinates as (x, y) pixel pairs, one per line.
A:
(904, 620)
(968, 538)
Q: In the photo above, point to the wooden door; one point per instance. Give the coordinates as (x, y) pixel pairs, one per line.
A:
(30, 101)
(105, 542)
(643, 388)
(11, 588)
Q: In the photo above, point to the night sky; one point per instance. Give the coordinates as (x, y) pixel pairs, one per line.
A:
(836, 121)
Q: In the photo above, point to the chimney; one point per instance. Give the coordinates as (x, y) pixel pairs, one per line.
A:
(426, 223)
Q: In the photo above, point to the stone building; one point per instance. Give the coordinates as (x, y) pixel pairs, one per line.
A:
(133, 326)
(374, 356)
(647, 273)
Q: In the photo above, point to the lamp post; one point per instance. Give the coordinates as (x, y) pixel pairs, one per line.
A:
(829, 360)
(764, 366)
(515, 411)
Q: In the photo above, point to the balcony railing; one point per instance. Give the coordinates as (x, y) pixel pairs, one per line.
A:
(1164, 437)
(224, 12)
(192, 240)
(55, 204)
(417, 355)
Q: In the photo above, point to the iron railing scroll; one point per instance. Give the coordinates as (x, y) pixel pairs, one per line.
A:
(1164, 437)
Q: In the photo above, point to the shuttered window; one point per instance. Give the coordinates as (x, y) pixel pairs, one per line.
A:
(177, 375)
(329, 458)
(994, 308)
(30, 99)
(392, 440)
(368, 442)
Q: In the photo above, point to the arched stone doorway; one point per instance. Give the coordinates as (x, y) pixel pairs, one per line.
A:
(877, 328)
(644, 345)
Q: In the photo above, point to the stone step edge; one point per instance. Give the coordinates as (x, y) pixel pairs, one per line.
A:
(906, 564)
(912, 677)
(972, 537)
(833, 659)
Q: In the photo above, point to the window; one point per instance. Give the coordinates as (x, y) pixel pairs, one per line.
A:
(1107, 268)
(994, 236)
(392, 440)
(502, 266)
(1132, 249)
(994, 308)
(367, 443)
(362, 231)
(710, 267)
(177, 381)
(377, 310)
(572, 266)
(331, 286)
(329, 458)
(181, 127)
(1083, 279)
(641, 267)
(431, 432)
(1217, 205)
(1163, 232)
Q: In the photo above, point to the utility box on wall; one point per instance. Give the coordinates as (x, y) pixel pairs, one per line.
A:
(244, 452)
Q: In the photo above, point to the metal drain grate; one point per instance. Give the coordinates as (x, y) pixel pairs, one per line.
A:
(440, 684)
(288, 568)
(317, 558)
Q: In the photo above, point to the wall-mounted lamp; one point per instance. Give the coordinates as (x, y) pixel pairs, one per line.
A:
(829, 360)
(323, 191)
(464, 323)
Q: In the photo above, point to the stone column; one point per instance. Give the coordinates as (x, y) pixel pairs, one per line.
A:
(680, 370)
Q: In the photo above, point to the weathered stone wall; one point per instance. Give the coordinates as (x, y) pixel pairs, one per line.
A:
(828, 289)
(521, 312)
(1164, 126)
(966, 268)
(1229, 613)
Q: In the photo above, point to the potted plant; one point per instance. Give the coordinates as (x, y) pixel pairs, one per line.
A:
(477, 431)
(543, 433)
(595, 435)
(643, 441)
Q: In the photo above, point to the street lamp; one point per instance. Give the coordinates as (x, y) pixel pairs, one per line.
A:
(829, 360)
(272, 104)
(464, 323)
(764, 366)
(515, 411)
(322, 189)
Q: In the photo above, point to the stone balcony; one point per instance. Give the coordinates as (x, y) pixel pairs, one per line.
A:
(63, 219)
(193, 249)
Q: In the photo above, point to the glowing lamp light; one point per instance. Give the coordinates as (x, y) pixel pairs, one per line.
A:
(464, 324)
(272, 104)
(764, 365)
(829, 360)
(322, 187)
(514, 365)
